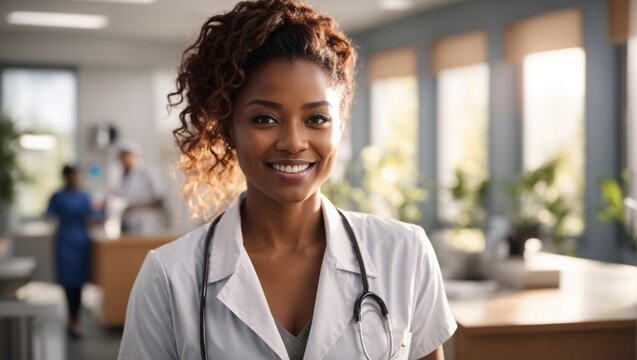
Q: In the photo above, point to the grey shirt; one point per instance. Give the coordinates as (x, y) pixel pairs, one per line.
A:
(295, 345)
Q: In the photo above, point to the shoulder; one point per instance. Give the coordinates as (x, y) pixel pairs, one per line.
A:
(394, 245)
(56, 198)
(387, 231)
(56, 195)
(178, 256)
(146, 169)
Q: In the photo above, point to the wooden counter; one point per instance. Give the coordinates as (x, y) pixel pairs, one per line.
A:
(592, 315)
(115, 267)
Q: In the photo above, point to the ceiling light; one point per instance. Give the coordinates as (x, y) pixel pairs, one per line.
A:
(36, 18)
(124, 1)
(41, 142)
(395, 5)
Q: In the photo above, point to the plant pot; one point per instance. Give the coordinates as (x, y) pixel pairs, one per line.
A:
(516, 245)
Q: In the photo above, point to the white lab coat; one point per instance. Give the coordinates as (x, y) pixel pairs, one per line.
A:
(162, 319)
(141, 186)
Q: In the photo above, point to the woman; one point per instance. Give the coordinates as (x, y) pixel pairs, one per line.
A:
(267, 88)
(72, 208)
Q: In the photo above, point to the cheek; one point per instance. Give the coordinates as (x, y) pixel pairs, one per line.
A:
(248, 143)
(329, 146)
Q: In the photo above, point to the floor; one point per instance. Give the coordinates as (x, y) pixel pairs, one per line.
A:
(97, 342)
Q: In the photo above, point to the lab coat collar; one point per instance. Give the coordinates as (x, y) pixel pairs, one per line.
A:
(339, 245)
(227, 244)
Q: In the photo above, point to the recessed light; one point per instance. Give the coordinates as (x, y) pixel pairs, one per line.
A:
(38, 142)
(396, 5)
(124, 1)
(66, 20)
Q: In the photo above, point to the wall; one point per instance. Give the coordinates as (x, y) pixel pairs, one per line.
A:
(120, 81)
(599, 241)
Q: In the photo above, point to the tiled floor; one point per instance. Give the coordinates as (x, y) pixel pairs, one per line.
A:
(97, 342)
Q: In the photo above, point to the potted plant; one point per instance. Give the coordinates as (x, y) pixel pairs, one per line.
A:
(10, 173)
(613, 195)
(537, 206)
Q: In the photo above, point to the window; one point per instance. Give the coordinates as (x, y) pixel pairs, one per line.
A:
(395, 117)
(548, 51)
(459, 63)
(390, 163)
(553, 123)
(462, 138)
(43, 104)
(394, 104)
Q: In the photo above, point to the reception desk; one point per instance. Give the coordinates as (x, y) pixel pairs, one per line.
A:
(115, 267)
(592, 315)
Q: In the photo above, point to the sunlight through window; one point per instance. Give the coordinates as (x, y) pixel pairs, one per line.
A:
(553, 123)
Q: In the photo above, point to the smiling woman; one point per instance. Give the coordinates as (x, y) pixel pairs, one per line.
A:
(281, 273)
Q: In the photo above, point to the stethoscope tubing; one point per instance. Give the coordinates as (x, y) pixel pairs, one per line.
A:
(358, 304)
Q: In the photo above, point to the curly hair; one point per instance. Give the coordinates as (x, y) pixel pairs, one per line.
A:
(229, 48)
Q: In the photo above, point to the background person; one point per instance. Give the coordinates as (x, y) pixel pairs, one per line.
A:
(72, 208)
(142, 189)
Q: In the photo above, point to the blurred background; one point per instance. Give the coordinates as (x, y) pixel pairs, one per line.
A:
(488, 122)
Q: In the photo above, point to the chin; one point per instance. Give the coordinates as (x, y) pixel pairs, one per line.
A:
(290, 195)
(294, 196)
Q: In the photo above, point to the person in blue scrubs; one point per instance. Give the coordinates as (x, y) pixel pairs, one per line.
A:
(72, 208)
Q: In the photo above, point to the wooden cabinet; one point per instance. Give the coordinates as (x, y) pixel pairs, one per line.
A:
(115, 267)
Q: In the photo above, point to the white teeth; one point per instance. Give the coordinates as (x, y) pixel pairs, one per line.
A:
(291, 169)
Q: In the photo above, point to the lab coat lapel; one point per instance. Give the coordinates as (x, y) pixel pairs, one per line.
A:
(242, 293)
(339, 286)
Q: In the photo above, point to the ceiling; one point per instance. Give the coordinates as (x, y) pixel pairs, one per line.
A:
(178, 21)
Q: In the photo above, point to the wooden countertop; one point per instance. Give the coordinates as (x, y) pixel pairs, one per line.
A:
(591, 294)
(134, 240)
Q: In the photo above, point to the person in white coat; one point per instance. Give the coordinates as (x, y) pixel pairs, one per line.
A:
(141, 189)
(279, 274)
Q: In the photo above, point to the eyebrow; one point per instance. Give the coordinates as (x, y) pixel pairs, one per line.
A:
(274, 105)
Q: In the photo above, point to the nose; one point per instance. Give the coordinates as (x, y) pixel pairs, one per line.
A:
(292, 137)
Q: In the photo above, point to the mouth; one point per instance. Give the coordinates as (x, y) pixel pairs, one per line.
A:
(291, 168)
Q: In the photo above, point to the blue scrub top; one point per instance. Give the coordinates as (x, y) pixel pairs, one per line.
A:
(72, 244)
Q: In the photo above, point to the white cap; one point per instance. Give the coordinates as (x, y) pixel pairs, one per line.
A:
(129, 147)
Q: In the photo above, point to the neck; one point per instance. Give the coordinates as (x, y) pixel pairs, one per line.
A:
(272, 225)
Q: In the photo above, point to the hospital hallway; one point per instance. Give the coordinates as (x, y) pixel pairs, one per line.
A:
(97, 342)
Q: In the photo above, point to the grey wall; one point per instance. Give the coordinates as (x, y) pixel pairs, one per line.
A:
(599, 240)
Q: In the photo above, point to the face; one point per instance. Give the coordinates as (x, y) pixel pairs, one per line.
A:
(128, 159)
(72, 179)
(286, 128)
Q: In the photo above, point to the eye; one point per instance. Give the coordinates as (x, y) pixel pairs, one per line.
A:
(264, 119)
(318, 120)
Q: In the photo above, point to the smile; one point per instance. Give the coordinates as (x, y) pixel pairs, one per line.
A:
(291, 169)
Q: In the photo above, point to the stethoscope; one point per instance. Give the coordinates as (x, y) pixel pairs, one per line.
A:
(358, 304)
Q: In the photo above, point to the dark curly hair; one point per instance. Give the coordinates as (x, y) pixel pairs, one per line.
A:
(229, 48)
